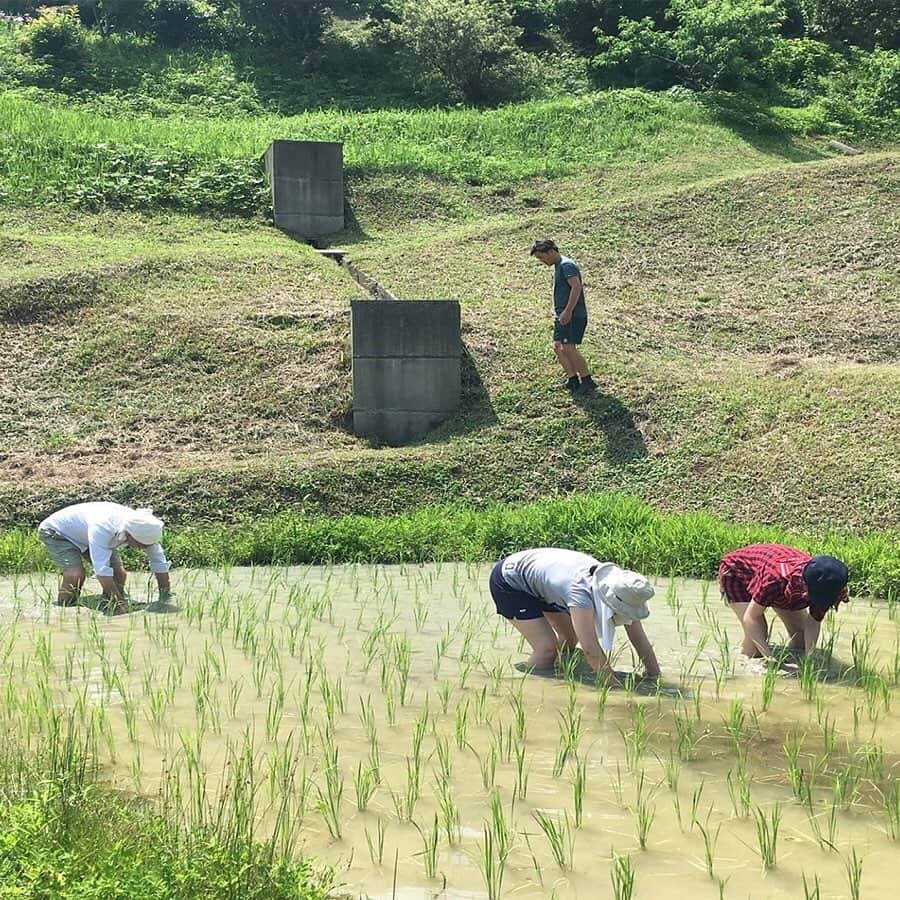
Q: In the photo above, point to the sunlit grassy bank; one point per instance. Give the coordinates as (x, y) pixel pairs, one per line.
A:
(65, 835)
(613, 527)
(53, 152)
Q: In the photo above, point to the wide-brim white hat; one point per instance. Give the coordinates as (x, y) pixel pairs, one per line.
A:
(143, 526)
(626, 593)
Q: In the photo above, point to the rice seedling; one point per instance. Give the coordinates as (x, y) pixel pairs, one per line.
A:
(420, 614)
(734, 725)
(560, 835)
(853, 865)
(845, 786)
(710, 839)
(444, 690)
(462, 718)
(791, 747)
(520, 788)
(578, 785)
(448, 810)
(890, 799)
(492, 863)
(826, 838)
(686, 727)
(637, 738)
(768, 685)
(487, 763)
(811, 891)
(330, 798)
(696, 797)
(739, 791)
(444, 756)
(429, 847)
(366, 782)
(375, 842)
(603, 689)
(644, 813)
(767, 835)
(622, 874)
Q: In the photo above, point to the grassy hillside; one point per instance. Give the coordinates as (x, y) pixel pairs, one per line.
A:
(742, 286)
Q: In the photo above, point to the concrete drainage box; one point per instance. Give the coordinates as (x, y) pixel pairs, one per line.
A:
(406, 366)
(307, 184)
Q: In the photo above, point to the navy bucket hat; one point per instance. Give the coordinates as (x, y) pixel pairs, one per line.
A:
(825, 578)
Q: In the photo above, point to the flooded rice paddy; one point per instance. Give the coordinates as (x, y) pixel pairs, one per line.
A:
(372, 717)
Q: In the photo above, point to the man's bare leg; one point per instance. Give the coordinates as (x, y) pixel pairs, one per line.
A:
(748, 648)
(560, 350)
(576, 361)
(793, 620)
(542, 639)
(70, 586)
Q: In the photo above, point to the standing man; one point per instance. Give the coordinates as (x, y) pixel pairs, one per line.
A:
(799, 587)
(558, 599)
(570, 316)
(93, 531)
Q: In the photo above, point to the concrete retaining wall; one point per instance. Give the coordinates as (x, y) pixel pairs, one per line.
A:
(307, 184)
(407, 357)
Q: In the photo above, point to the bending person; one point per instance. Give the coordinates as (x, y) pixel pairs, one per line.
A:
(93, 531)
(559, 599)
(799, 587)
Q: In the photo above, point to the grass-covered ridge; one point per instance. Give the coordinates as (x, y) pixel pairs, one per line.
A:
(56, 152)
(743, 332)
(609, 526)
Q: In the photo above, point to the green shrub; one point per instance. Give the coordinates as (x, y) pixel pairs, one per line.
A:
(580, 20)
(462, 50)
(866, 95)
(293, 22)
(57, 39)
(713, 45)
(178, 23)
(864, 23)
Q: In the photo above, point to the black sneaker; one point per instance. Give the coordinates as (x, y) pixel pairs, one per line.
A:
(587, 387)
(569, 385)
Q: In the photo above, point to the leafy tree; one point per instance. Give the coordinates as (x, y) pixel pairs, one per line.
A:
(461, 50)
(580, 20)
(713, 44)
(863, 23)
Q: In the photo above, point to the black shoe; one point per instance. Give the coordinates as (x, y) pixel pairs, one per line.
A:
(569, 385)
(587, 387)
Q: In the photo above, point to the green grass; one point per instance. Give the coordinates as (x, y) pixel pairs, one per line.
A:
(60, 153)
(741, 333)
(609, 526)
(63, 836)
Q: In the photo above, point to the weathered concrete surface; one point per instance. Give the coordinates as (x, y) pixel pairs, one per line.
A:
(406, 366)
(307, 184)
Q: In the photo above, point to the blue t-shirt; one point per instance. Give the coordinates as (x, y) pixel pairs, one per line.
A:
(563, 270)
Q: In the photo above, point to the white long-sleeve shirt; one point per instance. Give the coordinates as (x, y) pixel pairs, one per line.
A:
(98, 528)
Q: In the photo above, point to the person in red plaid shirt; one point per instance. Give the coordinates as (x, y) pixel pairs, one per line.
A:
(799, 587)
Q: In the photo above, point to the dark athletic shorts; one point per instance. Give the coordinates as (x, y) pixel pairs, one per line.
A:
(573, 333)
(513, 604)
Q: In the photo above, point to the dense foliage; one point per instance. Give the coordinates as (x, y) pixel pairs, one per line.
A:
(840, 58)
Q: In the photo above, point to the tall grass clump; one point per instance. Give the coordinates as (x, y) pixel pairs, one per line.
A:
(60, 829)
(62, 152)
(610, 526)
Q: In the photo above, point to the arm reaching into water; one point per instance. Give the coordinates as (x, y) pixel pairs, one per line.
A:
(643, 647)
(583, 623)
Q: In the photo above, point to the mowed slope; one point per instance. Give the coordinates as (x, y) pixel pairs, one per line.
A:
(744, 331)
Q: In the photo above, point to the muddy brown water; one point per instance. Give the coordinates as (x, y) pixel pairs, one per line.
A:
(296, 668)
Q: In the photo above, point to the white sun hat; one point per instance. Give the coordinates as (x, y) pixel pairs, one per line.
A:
(620, 597)
(143, 526)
